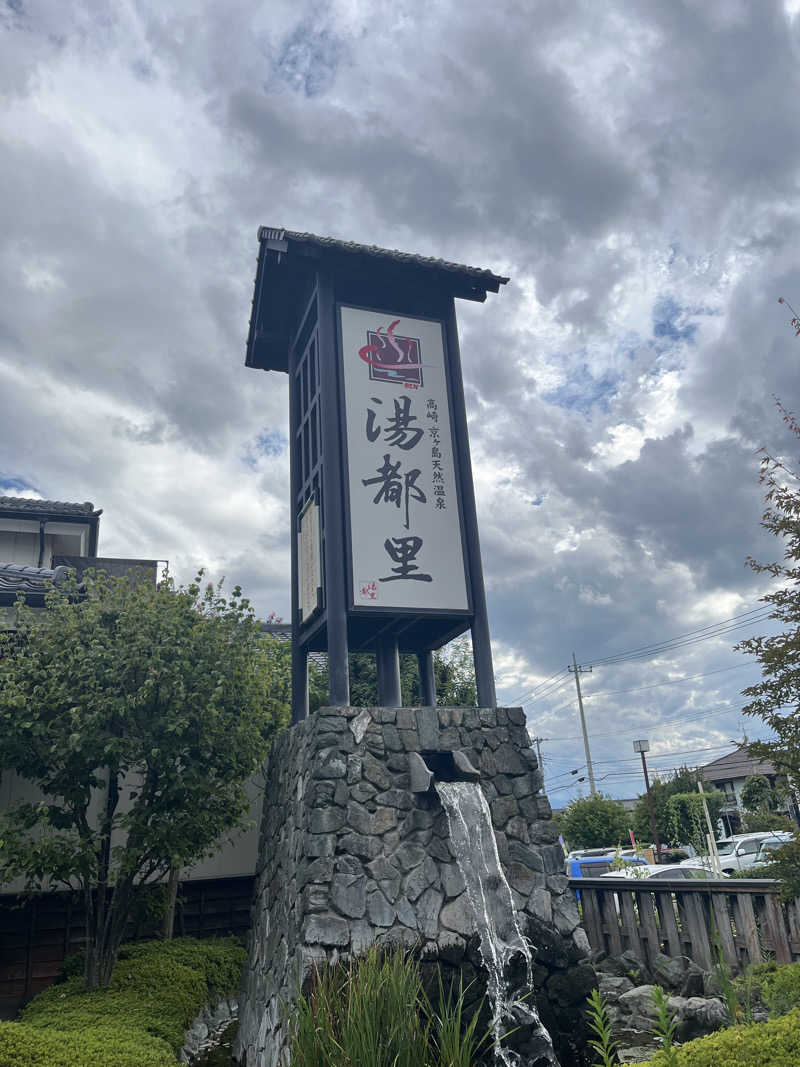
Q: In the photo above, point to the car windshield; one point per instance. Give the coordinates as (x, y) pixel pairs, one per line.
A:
(725, 847)
(594, 870)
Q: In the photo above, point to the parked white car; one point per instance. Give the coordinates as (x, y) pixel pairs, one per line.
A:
(685, 870)
(767, 847)
(738, 852)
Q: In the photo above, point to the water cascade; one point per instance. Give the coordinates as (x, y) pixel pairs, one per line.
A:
(497, 923)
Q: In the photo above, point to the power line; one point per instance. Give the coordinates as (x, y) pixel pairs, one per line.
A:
(703, 633)
(705, 714)
(690, 637)
(540, 685)
(673, 681)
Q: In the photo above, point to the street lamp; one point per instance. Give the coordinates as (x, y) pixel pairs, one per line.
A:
(641, 747)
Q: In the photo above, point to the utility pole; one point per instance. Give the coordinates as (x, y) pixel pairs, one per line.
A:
(711, 841)
(538, 742)
(576, 670)
(641, 747)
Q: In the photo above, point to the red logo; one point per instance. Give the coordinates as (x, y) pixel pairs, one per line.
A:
(391, 358)
(369, 590)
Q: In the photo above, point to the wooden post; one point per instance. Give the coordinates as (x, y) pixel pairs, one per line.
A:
(722, 918)
(697, 922)
(427, 679)
(745, 919)
(388, 669)
(481, 643)
(647, 918)
(776, 927)
(611, 919)
(333, 500)
(669, 925)
(592, 920)
(630, 924)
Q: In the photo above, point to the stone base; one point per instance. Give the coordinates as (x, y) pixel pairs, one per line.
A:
(351, 856)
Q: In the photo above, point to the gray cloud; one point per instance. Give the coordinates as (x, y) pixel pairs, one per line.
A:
(632, 166)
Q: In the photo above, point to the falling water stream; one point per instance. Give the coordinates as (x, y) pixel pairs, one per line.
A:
(475, 847)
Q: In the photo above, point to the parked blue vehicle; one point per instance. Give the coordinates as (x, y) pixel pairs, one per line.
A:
(594, 866)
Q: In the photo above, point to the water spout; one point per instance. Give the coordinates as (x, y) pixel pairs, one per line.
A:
(501, 939)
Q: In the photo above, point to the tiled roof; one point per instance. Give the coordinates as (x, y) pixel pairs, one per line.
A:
(736, 764)
(282, 631)
(49, 507)
(411, 259)
(15, 578)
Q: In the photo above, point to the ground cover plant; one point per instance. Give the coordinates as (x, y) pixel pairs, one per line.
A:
(374, 1012)
(772, 1044)
(139, 1020)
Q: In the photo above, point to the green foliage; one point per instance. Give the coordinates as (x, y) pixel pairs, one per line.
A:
(777, 986)
(157, 990)
(757, 793)
(754, 822)
(453, 670)
(102, 1046)
(784, 865)
(776, 698)
(594, 822)
(665, 1026)
(599, 1020)
(686, 820)
(683, 781)
(772, 1044)
(456, 1041)
(373, 1012)
(161, 699)
(722, 971)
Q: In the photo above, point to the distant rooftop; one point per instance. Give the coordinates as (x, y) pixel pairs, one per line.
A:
(736, 764)
(282, 631)
(29, 505)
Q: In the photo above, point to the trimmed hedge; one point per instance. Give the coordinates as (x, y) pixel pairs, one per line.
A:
(772, 1044)
(158, 988)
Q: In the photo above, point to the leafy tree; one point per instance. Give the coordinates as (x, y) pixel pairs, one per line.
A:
(776, 698)
(594, 822)
(139, 710)
(683, 781)
(758, 794)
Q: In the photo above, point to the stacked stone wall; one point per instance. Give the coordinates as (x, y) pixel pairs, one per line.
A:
(350, 856)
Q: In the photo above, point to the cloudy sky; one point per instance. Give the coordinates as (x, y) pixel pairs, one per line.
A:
(633, 166)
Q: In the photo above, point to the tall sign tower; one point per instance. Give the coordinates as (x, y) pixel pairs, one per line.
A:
(385, 551)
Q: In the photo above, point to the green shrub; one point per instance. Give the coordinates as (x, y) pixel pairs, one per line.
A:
(102, 1046)
(772, 1044)
(777, 986)
(157, 989)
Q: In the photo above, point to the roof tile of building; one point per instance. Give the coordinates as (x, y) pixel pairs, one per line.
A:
(411, 259)
(50, 507)
(15, 578)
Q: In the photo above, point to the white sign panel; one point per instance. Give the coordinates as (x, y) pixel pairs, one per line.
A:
(308, 556)
(405, 533)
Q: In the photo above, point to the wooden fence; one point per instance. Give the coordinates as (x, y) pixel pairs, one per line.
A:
(743, 920)
(37, 935)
